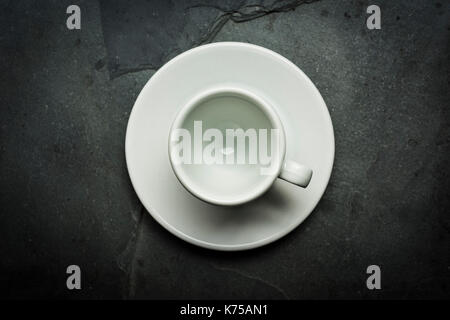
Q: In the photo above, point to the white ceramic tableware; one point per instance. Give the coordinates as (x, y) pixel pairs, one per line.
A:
(228, 109)
(309, 141)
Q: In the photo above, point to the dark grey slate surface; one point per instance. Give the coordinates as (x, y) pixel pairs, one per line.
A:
(171, 27)
(66, 198)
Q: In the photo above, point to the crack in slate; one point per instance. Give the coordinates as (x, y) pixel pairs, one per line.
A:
(243, 15)
(252, 277)
(126, 259)
(136, 40)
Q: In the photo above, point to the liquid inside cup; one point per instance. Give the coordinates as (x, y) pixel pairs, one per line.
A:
(233, 179)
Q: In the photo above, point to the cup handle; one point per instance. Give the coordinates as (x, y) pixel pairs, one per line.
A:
(296, 173)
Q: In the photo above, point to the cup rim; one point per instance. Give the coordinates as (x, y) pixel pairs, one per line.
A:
(218, 91)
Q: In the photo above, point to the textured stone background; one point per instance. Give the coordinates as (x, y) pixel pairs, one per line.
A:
(65, 195)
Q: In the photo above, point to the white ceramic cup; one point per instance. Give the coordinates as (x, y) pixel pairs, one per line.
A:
(200, 161)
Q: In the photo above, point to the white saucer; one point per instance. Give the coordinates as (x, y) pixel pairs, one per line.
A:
(309, 135)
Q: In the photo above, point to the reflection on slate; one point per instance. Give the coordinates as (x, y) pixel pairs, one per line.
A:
(146, 34)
